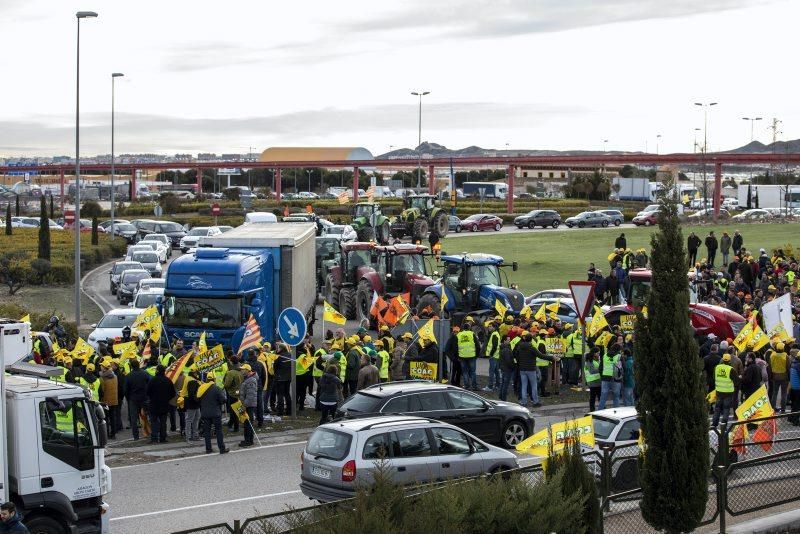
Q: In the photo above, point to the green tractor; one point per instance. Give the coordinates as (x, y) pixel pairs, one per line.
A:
(420, 216)
(369, 223)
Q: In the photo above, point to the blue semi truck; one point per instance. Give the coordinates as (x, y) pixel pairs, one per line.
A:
(257, 269)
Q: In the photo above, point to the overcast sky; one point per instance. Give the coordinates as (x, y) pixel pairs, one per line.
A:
(547, 74)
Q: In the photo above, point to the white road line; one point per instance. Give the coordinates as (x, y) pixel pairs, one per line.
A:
(196, 456)
(196, 506)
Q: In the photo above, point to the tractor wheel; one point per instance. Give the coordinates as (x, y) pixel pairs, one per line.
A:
(363, 301)
(382, 233)
(420, 230)
(429, 299)
(331, 292)
(347, 302)
(365, 233)
(441, 224)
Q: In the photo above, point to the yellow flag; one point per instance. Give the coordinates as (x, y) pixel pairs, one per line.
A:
(779, 333)
(553, 307)
(561, 434)
(149, 319)
(541, 315)
(406, 311)
(445, 300)
(759, 339)
(240, 411)
(426, 332)
(56, 348)
(121, 349)
(644, 311)
(697, 195)
(685, 198)
(26, 319)
(598, 322)
(743, 337)
(330, 313)
(604, 339)
(82, 351)
(526, 312)
(500, 307)
(201, 344)
(756, 406)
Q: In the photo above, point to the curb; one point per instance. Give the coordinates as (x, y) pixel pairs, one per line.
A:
(777, 523)
(85, 276)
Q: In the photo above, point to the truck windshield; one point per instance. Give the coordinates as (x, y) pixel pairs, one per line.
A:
(484, 274)
(362, 210)
(409, 263)
(210, 313)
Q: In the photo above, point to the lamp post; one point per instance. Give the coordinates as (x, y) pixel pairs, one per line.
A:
(420, 94)
(752, 120)
(658, 141)
(114, 76)
(308, 172)
(705, 107)
(79, 15)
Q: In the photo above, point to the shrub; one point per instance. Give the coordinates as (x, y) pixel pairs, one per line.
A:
(578, 480)
(169, 202)
(13, 273)
(91, 209)
(42, 268)
(95, 239)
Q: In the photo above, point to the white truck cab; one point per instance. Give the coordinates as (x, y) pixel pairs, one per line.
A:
(52, 450)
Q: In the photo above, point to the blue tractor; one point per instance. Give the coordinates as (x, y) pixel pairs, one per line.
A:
(472, 284)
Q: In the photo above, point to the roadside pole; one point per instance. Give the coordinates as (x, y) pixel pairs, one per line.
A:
(583, 297)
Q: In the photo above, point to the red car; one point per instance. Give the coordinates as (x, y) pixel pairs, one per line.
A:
(482, 221)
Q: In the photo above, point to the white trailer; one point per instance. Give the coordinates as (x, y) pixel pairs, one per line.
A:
(52, 447)
(769, 196)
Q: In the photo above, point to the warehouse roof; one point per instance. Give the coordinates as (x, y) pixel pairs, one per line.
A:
(315, 154)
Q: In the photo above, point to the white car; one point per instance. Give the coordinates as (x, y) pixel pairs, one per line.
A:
(192, 238)
(145, 299)
(147, 284)
(32, 222)
(342, 232)
(307, 195)
(136, 248)
(111, 325)
(163, 246)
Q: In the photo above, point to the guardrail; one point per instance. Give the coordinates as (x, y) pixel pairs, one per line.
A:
(754, 476)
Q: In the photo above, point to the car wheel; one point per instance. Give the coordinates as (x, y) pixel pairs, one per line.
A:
(647, 222)
(569, 225)
(474, 228)
(617, 222)
(605, 224)
(113, 290)
(531, 225)
(458, 229)
(514, 433)
(555, 224)
(581, 224)
(497, 227)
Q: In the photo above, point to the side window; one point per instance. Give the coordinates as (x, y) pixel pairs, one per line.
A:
(376, 447)
(451, 441)
(66, 434)
(465, 401)
(402, 404)
(628, 429)
(413, 442)
(432, 402)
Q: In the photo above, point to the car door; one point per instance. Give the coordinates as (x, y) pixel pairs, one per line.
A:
(474, 415)
(412, 460)
(455, 456)
(432, 404)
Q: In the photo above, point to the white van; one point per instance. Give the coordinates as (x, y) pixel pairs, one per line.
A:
(260, 217)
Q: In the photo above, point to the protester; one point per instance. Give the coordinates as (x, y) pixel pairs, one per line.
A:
(248, 396)
(10, 520)
(160, 391)
(212, 398)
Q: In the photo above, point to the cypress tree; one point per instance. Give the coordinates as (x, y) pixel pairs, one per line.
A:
(52, 216)
(8, 218)
(675, 465)
(44, 231)
(95, 238)
(16, 212)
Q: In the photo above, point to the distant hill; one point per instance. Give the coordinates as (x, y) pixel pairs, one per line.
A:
(436, 150)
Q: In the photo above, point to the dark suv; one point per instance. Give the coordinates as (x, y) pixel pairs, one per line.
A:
(171, 229)
(543, 218)
(504, 423)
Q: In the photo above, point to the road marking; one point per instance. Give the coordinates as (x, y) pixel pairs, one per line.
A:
(196, 456)
(196, 506)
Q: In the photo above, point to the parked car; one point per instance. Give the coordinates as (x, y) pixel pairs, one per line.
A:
(780, 213)
(649, 218)
(708, 214)
(307, 195)
(756, 215)
(191, 239)
(106, 225)
(171, 229)
(128, 282)
(504, 423)
(343, 456)
(550, 294)
(126, 230)
(589, 218)
(164, 248)
(481, 222)
(85, 225)
(534, 218)
(32, 222)
(150, 261)
(111, 325)
(567, 311)
(454, 223)
(342, 232)
(731, 204)
(617, 217)
(116, 271)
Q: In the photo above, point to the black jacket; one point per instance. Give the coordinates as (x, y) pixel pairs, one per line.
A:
(526, 355)
(211, 402)
(712, 243)
(160, 390)
(328, 388)
(710, 363)
(192, 402)
(693, 243)
(738, 241)
(507, 362)
(283, 367)
(620, 242)
(751, 379)
(136, 386)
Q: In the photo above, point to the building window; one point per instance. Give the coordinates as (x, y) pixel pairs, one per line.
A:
(551, 175)
(563, 175)
(540, 175)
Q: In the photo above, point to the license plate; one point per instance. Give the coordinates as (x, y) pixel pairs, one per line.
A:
(320, 472)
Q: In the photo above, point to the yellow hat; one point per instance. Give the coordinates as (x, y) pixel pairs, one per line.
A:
(469, 319)
(726, 357)
(379, 343)
(367, 339)
(568, 326)
(90, 367)
(780, 346)
(384, 328)
(407, 335)
(210, 377)
(628, 337)
(105, 365)
(509, 318)
(353, 339)
(265, 345)
(246, 367)
(67, 360)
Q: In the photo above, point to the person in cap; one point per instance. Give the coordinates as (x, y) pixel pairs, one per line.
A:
(136, 394)
(283, 379)
(329, 392)
(726, 381)
(779, 365)
(248, 396)
(451, 353)
(397, 369)
(212, 399)
(368, 374)
(232, 383)
(382, 361)
(91, 382)
(160, 391)
(191, 403)
(468, 350)
(109, 396)
(321, 361)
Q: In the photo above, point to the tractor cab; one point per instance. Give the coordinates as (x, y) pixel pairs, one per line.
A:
(369, 222)
(423, 203)
(404, 268)
(356, 256)
(366, 210)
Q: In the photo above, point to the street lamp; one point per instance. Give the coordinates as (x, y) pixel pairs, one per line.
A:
(420, 94)
(308, 172)
(114, 76)
(752, 120)
(705, 107)
(658, 140)
(79, 15)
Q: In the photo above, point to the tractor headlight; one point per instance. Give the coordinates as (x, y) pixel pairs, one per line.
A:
(514, 286)
(388, 275)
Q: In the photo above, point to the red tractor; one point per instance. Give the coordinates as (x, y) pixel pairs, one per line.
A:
(366, 268)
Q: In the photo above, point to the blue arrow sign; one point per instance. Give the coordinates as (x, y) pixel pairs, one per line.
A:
(292, 326)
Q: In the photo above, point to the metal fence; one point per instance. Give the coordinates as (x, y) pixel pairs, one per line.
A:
(745, 476)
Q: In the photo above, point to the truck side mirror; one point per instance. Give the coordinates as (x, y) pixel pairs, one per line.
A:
(102, 426)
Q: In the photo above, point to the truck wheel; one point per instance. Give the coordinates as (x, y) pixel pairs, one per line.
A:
(331, 292)
(44, 525)
(429, 299)
(382, 233)
(419, 231)
(441, 224)
(365, 233)
(363, 300)
(347, 302)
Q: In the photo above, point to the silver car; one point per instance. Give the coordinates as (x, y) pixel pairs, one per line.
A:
(342, 456)
(149, 261)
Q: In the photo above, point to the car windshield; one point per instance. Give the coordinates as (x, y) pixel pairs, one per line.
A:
(199, 231)
(117, 321)
(326, 443)
(170, 227)
(159, 238)
(152, 244)
(360, 403)
(476, 217)
(152, 282)
(419, 202)
(145, 257)
(132, 278)
(124, 228)
(122, 267)
(411, 263)
(603, 427)
(210, 313)
(144, 300)
(357, 258)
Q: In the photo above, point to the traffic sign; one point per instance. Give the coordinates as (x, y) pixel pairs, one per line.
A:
(583, 296)
(292, 326)
(158, 211)
(215, 209)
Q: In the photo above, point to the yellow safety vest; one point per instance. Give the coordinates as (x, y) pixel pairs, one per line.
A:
(317, 372)
(722, 378)
(778, 362)
(62, 377)
(540, 362)
(64, 421)
(219, 375)
(342, 367)
(466, 344)
(590, 372)
(513, 342)
(298, 367)
(151, 370)
(496, 351)
(165, 360)
(94, 387)
(383, 370)
(608, 364)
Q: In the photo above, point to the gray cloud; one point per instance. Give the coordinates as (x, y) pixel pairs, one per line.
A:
(165, 134)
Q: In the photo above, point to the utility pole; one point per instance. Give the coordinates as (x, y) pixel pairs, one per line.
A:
(420, 94)
(752, 121)
(705, 107)
(776, 131)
